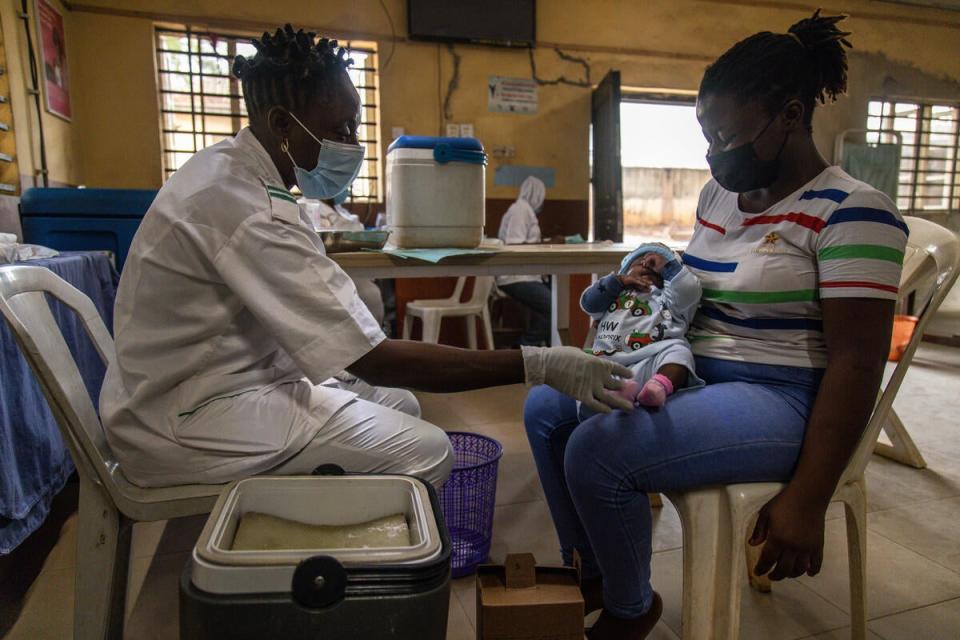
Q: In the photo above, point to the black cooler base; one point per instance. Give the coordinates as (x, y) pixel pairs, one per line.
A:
(417, 616)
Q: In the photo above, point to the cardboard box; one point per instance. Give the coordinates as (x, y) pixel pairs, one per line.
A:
(521, 601)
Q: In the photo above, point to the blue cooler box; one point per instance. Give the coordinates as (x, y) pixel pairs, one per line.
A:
(84, 219)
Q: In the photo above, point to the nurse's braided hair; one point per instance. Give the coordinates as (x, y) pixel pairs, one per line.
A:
(290, 69)
(808, 63)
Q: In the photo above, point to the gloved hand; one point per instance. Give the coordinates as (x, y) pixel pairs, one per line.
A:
(579, 375)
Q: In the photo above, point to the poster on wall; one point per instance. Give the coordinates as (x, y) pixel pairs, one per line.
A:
(53, 60)
(511, 95)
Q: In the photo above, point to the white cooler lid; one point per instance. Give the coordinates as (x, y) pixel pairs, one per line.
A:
(326, 500)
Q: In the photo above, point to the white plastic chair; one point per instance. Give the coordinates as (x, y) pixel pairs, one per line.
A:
(432, 312)
(916, 281)
(716, 520)
(109, 503)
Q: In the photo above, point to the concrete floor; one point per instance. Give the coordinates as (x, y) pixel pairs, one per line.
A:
(914, 549)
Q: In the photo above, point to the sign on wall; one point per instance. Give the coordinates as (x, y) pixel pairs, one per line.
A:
(511, 95)
(53, 58)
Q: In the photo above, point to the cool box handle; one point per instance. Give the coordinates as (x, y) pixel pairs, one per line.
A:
(319, 581)
(444, 153)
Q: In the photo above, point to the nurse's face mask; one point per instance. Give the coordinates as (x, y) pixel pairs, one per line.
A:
(741, 170)
(337, 166)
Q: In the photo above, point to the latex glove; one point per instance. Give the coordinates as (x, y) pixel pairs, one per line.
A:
(579, 375)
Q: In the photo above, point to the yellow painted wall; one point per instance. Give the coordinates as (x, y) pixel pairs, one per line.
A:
(664, 44)
(63, 161)
(117, 105)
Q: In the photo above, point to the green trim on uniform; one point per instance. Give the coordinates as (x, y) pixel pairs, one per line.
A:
(197, 408)
(281, 194)
(868, 251)
(760, 297)
(277, 196)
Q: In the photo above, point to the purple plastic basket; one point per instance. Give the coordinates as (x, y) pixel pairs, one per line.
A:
(468, 497)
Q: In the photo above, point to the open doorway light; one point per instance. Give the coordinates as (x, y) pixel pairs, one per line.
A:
(664, 168)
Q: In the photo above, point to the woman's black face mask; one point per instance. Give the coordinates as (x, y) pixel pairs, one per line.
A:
(741, 170)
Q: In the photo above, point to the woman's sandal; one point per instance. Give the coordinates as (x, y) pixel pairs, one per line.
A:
(610, 627)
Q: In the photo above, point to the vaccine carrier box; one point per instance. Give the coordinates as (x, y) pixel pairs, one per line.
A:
(436, 192)
(400, 591)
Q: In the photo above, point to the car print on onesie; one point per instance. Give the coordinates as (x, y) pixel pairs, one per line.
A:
(638, 339)
(631, 303)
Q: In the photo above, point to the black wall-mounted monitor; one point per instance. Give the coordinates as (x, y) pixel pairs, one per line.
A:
(505, 23)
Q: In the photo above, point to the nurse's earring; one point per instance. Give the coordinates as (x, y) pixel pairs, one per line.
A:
(285, 147)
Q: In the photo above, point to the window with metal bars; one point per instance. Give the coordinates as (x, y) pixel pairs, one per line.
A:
(201, 102)
(929, 177)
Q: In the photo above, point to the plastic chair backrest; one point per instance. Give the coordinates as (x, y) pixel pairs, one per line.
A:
(458, 289)
(481, 289)
(935, 252)
(919, 263)
(24, 306)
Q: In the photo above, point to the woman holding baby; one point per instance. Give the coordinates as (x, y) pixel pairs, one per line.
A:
(799, 266)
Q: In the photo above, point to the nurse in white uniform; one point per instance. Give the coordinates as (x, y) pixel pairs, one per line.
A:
(230, 317)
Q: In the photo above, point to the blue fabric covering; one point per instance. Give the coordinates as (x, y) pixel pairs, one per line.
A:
(34, 462)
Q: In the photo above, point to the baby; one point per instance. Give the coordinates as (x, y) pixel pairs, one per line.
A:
(642, 314)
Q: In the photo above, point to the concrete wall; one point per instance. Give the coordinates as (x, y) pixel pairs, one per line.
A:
(661, 201)
(653, 44)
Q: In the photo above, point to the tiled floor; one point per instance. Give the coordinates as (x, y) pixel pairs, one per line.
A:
(914, 549)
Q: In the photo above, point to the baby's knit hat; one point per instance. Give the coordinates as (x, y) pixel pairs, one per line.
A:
(650, 247)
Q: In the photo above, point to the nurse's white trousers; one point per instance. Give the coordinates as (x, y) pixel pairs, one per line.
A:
(364, 436)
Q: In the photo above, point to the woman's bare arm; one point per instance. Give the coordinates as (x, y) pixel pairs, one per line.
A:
(857, 333)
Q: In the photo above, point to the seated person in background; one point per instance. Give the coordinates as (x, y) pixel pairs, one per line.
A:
(520, 226)
(642, 314)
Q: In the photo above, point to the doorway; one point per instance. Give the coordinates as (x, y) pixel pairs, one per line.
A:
(648, 164)
(664, 167)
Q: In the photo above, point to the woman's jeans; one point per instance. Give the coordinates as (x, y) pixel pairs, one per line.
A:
(746, 425)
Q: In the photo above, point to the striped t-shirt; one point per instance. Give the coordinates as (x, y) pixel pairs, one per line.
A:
(764, 274)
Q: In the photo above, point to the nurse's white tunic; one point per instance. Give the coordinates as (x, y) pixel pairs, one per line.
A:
(226, 303)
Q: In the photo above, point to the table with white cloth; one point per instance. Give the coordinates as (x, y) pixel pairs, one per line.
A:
(34, 462)
(558, 260)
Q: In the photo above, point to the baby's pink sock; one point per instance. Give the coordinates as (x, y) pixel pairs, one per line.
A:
(654, 393)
